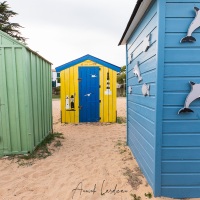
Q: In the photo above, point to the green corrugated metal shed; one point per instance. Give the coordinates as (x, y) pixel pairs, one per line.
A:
(25, 97)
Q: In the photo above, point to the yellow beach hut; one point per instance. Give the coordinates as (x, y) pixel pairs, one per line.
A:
(88, 90)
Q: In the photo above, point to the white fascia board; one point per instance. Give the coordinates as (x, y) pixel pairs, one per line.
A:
(140, 13)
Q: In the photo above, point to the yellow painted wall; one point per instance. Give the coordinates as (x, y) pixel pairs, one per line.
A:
(70, 86)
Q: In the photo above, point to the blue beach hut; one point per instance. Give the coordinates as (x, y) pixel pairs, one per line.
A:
(162, 41)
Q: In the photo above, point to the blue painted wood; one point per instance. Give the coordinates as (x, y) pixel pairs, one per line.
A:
(145, 135)
(127, 94)
(145, 123)
(140, 141)
(183, 11)
(141, 110)
(159, 100)
(137, 88)
(186, 71)
(179, 84)
(89, 94)
(181, 146)
(178, 166)
(182, 1)
(143, 57)
(187, 139)
(146, 66)
(178, 99)
(148, 113)
(181, 191)
(149, 77)
(173, 40)
(153, 122)
(180, 153)
(171, 25)
(149, 102)
(183, 179)
(178, 55)
(143, 157)
(170, 113)
(137, 46)
(183, 126)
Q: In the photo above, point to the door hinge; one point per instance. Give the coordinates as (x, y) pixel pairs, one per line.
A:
(79, 79)
(99, 101)
(99, 86)
(99, 118)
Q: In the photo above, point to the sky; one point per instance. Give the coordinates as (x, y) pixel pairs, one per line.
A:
(64, 30)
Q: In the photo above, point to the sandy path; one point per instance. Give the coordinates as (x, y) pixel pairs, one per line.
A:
(92, 158)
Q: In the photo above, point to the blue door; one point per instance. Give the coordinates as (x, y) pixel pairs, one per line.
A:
(89, 94)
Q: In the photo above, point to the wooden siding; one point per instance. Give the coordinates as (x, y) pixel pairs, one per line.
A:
(181, 133)
(69, 86)
(141, 124)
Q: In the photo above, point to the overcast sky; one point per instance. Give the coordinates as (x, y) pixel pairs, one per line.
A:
(63, 30)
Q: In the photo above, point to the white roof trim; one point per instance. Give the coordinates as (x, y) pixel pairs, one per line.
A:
(140, 13)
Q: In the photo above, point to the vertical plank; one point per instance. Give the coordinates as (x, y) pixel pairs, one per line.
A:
(76, 89)
(45, 98)
(62, 89)
(71, 92)
(5, 109)
(12, 99)
(39, 88)
(21, 97)
(67, 93)
(106, 104)
(110, 97)
(101, 91)
(114, 96)
(42, 98)
(34, 97)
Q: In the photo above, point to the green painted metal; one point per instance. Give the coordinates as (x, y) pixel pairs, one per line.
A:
(25, 97)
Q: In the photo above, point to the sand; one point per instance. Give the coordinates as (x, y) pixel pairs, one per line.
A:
(92, 164)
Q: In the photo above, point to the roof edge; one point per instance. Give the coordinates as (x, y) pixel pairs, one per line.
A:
(84, 58)
(131, 19)
(138, 13)
(20, 43)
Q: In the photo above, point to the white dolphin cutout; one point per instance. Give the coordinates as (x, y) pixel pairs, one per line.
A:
(193, 26)
(192, 96)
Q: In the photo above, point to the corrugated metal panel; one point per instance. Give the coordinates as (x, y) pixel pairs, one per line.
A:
(21, 95)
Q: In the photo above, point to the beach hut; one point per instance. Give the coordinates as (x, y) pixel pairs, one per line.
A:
(88, 90)
(25, 97)
(162, 41)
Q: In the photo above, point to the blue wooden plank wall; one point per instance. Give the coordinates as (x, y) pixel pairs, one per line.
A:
(181, 133)
(141, 109)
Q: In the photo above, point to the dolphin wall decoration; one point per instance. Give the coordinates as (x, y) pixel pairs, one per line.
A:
(192, 96)
(136, 71)
(193, 26)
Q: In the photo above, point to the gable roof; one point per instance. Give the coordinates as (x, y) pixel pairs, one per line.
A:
(84, 58)
(138, 12)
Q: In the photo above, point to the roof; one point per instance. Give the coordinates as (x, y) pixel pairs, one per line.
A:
(87, 57)
(21, 44)
(138, 12)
